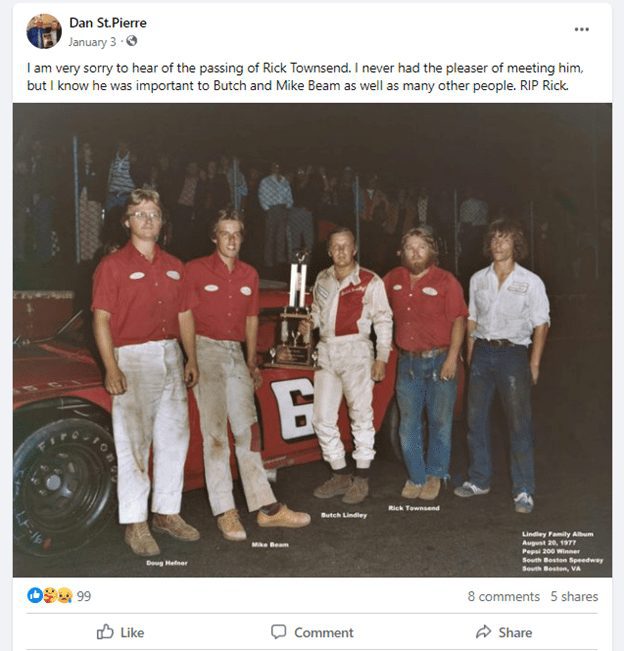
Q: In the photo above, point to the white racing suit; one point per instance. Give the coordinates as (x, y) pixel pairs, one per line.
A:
(344, 313)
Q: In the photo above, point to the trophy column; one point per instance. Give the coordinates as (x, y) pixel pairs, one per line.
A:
(294, 350)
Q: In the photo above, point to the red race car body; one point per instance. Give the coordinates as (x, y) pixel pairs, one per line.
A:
(62, 430)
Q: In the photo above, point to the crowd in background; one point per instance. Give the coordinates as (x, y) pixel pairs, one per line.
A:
(286, 205)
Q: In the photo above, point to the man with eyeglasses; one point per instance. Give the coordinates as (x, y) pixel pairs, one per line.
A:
(223, 293)
(139, 315)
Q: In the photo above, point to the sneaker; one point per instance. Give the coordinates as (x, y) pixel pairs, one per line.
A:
(230, 526)
(284, 518)
(357, 492)
(431, 489)
(468, 489)
(140, 540)
(175, 526)
(524, 503)
(411, 490)
(336, 485)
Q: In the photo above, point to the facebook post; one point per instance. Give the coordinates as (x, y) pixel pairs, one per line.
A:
(312, 297)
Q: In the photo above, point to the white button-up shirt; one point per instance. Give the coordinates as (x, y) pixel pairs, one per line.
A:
(512, 311)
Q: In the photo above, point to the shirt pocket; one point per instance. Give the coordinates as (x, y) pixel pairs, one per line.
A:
(482, 300)
(172, 288)
(432, 305)
(515, 306)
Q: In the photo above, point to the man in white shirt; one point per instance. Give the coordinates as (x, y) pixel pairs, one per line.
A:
(348, 300)
(508, 312)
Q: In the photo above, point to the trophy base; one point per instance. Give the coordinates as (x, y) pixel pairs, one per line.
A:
(293, 356)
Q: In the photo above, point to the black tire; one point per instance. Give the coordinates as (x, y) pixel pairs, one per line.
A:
(64, 478)
(387, 440)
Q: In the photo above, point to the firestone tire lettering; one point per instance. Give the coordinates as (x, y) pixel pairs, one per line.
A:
(64, 477)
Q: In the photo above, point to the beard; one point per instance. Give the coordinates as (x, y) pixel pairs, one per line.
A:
(417, 268)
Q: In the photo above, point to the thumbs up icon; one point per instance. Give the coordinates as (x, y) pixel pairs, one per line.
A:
(105, 633)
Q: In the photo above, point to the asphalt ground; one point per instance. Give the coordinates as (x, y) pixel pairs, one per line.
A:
(481, 536)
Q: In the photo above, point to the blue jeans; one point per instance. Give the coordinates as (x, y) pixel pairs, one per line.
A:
(300, 227)
(418, 387)
(505, 370)
(275, 235)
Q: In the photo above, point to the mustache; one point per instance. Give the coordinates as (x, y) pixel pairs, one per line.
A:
(426, 262)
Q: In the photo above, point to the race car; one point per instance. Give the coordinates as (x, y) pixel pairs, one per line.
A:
(64, 465)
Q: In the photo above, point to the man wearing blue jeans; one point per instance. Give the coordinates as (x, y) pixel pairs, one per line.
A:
(430, 317)
(508, 311)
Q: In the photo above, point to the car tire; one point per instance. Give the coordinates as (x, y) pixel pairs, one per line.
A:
(388, 443)
(64, 479)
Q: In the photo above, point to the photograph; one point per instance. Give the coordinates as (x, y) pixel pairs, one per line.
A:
(312, 340)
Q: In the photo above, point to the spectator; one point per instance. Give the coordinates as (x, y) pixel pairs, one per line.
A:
(300, 220)
(473, 220)
(190, 197)
(43, 201)
(90, 209)
(275, 198)
(120, 182)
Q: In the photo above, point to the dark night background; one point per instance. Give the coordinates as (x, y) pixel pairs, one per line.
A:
(551, 159)
(511, 150)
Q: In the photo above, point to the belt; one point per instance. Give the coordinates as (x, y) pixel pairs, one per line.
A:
(424, 354)
(497, 343)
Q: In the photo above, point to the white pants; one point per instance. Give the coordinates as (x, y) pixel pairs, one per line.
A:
(225, 392)
(345, 370)
(152, 413)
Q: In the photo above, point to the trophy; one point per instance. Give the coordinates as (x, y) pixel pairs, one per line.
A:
(294, 349)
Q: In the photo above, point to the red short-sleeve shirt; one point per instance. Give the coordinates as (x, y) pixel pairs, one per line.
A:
(221, 300)
(424, 312)
(143, 298)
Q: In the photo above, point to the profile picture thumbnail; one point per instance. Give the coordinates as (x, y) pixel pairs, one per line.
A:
(44, 31)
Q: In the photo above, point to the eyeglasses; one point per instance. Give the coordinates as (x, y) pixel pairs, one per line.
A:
(144, 216)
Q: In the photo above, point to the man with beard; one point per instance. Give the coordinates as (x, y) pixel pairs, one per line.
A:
(348, 301)
(430, 316)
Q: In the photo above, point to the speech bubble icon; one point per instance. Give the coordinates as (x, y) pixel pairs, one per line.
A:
(278, 630)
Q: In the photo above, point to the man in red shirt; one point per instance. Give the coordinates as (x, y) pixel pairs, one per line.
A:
(430, 317)
(223, 294)
(138, 316)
